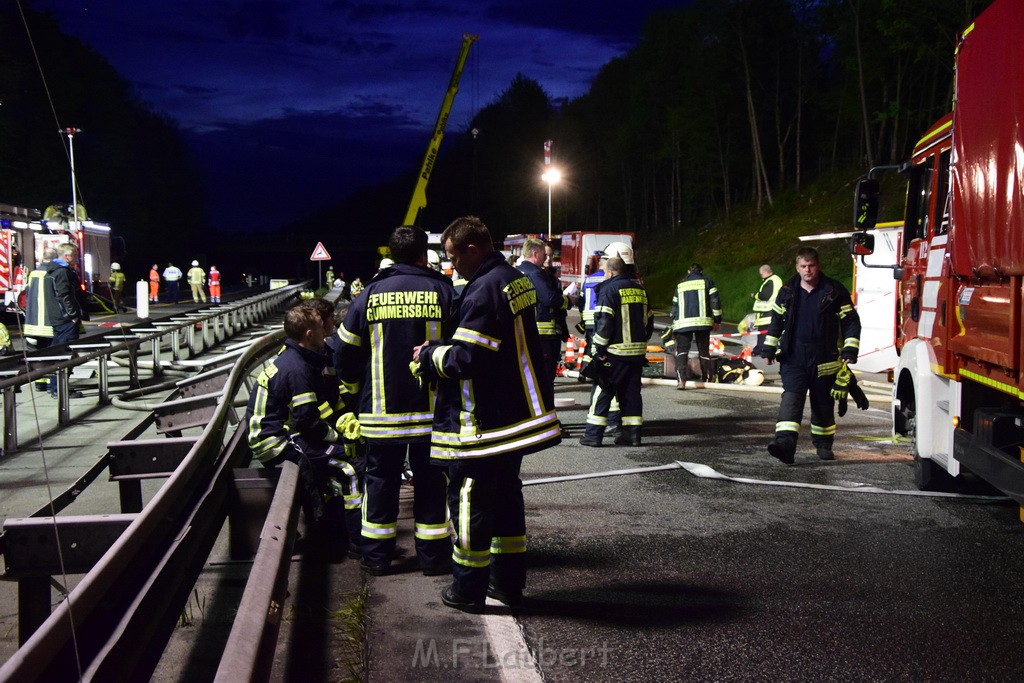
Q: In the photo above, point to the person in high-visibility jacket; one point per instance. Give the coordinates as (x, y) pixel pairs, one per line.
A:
(154, 284)
(492, 409)
(623, 323)
(214, 284)
(196, 280)
(116, 286)
(290, 417)
(764, 302)
(36, 327)
(404, 306)
(696, 312)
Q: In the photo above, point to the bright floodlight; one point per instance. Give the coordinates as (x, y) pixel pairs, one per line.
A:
(551, 176)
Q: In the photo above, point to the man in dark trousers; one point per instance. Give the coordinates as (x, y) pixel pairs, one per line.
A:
(493, 407)
(622, 325)
(552, 304)
(405, 305)
(696, 311)
(814, 331)
(66, 310)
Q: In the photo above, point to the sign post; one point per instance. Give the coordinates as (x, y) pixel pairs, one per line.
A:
(319, 255)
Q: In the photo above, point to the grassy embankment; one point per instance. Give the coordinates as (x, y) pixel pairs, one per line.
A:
(732, 250)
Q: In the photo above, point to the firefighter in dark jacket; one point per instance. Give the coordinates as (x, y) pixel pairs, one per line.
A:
(622, 325)
(492, 409)
(403, 306)
(696, 311)
(291, 415)
(813, 333)
(552, 304)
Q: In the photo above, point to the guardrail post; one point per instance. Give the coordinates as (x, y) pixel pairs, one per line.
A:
(63, 398)
(11, 420)
(103, 379)
(155, 352)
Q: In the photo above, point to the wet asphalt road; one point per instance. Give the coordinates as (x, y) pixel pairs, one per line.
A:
(664, 576)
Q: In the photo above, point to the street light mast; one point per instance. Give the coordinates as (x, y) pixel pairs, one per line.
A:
(71, 132)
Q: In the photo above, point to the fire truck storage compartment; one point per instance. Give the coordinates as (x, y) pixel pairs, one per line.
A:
(988, 315)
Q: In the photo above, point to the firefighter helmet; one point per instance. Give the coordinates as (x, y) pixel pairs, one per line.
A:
(115, 266)
(386, 263)
(195, 263)
(620, 249)
(754, 378)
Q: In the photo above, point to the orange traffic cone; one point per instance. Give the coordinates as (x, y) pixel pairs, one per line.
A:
(717, 347)
(746, 353)
(570, 353)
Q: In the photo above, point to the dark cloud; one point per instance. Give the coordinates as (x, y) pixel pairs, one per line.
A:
(308, 99)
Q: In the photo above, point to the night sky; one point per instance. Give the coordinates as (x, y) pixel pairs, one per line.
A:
(291, 105)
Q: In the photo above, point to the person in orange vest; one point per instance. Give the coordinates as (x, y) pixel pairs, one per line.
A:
(154, 284)
(214, 285)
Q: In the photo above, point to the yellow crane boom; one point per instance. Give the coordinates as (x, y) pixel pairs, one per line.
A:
(419, 193)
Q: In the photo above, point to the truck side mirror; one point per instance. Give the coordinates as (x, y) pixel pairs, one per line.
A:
(865, 204)
(862, 244)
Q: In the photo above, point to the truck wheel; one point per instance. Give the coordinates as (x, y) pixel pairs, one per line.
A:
(928, 474)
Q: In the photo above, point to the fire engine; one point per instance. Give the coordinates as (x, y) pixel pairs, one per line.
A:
(581, 250)
(24, 234)
(959, 382)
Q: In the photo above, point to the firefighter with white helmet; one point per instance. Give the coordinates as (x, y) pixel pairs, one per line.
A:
(196, 280)
(116, 285)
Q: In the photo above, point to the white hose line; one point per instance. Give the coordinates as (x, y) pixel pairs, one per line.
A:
(707, 472)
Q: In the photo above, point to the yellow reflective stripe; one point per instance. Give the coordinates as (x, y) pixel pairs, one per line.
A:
(431, 532)
(475, 559)
(830, 368)
(371, 530)
(981, 379)
(507, 545)
(302, 399)
(852, 342)
(632, 420)
(784, 426)
(377, 383)
(476, 338)
(325, 409)
(349, 337)
(465, 492)
(823, 431)
(437, 360)
(770, 340)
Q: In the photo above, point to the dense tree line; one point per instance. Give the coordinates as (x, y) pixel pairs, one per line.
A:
(721, 103)
(133, 169)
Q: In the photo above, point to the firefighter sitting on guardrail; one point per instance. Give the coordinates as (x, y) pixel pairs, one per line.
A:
(290, 417)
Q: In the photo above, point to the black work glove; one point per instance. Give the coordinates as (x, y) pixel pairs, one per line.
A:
(858, 396)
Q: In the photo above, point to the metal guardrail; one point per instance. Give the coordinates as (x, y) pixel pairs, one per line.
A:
(216, 325)
(116, 622)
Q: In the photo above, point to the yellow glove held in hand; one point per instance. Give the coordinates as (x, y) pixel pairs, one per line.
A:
(348, 427)
(841, 384)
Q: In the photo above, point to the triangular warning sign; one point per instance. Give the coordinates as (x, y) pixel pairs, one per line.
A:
(320, 254)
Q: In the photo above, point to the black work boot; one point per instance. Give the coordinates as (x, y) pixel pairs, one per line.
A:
(707, 370)
(593, 436)
(825, 451)
(783, 450)
(630, 436)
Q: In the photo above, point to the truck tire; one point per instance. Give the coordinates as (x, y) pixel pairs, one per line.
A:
(928, 474)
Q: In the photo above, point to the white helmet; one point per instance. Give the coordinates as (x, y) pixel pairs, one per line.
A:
(385, 263)
(195, 263)
(754, 378)
(620, 249)
(433, 258)
(115, 266)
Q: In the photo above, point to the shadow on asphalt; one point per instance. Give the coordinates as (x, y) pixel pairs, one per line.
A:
(637, 604)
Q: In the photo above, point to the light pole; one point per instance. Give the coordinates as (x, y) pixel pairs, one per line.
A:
(71, 132)
(551, 176)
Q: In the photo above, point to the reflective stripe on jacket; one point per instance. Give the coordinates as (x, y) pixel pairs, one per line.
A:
(695, 304)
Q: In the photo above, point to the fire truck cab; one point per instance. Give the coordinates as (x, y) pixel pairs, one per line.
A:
(958, 385)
